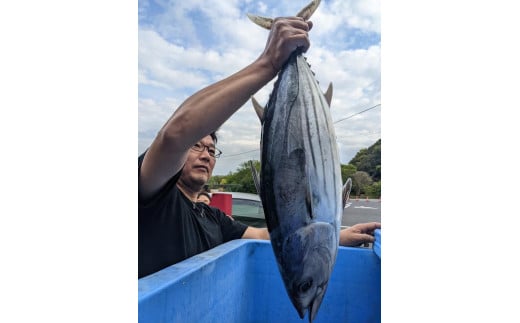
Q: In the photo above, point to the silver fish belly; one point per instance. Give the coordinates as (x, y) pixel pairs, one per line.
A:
(300, 184)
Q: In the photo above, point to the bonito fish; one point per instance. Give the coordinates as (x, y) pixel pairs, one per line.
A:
(300, 180)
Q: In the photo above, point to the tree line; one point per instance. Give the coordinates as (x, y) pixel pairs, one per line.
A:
(364, 170)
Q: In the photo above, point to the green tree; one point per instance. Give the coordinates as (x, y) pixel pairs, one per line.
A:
(214, 181)
(364, 169)
(369, 160)
(373, 190)
(242, 180)
(360, 180)
(347, 171)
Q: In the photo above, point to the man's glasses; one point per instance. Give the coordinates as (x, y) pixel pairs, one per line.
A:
(213, 152)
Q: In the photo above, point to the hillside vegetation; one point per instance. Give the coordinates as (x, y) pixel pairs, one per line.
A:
(364, 170)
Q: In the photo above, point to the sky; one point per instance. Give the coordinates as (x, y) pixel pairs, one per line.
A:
(69, 121)
(186, 46)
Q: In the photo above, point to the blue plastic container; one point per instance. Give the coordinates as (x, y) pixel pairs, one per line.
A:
(239, 282)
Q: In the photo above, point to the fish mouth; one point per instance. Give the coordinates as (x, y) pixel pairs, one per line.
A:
(301, 311)
(313, 306)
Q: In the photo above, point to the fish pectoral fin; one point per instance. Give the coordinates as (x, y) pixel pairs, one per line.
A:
(258, 109)
(309, 204)
(263, 22)
(346, 191)
(328, 94)
(256, 179)
(309, 200)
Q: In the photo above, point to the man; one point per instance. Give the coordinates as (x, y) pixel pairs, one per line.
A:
(204, 197)
(180, 161)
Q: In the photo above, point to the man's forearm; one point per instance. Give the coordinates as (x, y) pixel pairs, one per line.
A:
(206, 110)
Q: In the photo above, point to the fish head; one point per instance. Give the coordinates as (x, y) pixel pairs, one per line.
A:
(307, 259)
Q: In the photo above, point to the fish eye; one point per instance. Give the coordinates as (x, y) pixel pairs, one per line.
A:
(305, 286)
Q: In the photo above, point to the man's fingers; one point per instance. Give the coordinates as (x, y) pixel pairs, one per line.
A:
(370, 226)
(367, 238)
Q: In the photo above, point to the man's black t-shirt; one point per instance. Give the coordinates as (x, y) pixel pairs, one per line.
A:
(172, 228)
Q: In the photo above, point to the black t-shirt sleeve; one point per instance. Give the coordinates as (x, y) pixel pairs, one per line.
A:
(231, 229)
(162, 192)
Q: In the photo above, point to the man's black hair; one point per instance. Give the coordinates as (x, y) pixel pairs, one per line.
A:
(214, 137)
(204, 193)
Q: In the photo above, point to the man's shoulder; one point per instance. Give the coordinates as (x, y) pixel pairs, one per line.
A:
(168, 197)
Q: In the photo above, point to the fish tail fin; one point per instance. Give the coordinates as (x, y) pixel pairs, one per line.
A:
(308, 10)
(305, 13)
(263, 22)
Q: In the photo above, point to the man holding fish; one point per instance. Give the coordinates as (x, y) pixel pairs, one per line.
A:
(180, 161)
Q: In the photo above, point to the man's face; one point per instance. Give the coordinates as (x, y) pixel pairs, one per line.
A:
(199, 164)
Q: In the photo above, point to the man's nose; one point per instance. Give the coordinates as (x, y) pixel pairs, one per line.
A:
(205, 153)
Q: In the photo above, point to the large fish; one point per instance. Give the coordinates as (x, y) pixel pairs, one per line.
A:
(300, 180)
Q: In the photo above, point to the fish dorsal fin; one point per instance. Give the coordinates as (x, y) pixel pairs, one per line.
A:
(305, 13)
(328, 94)
(258, 109)
(346, 191)
(256, 179)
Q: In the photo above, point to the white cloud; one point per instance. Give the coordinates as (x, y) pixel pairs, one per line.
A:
(358, 14)
(179, 56)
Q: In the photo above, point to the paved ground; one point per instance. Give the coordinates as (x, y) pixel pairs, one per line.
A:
(361, 211)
